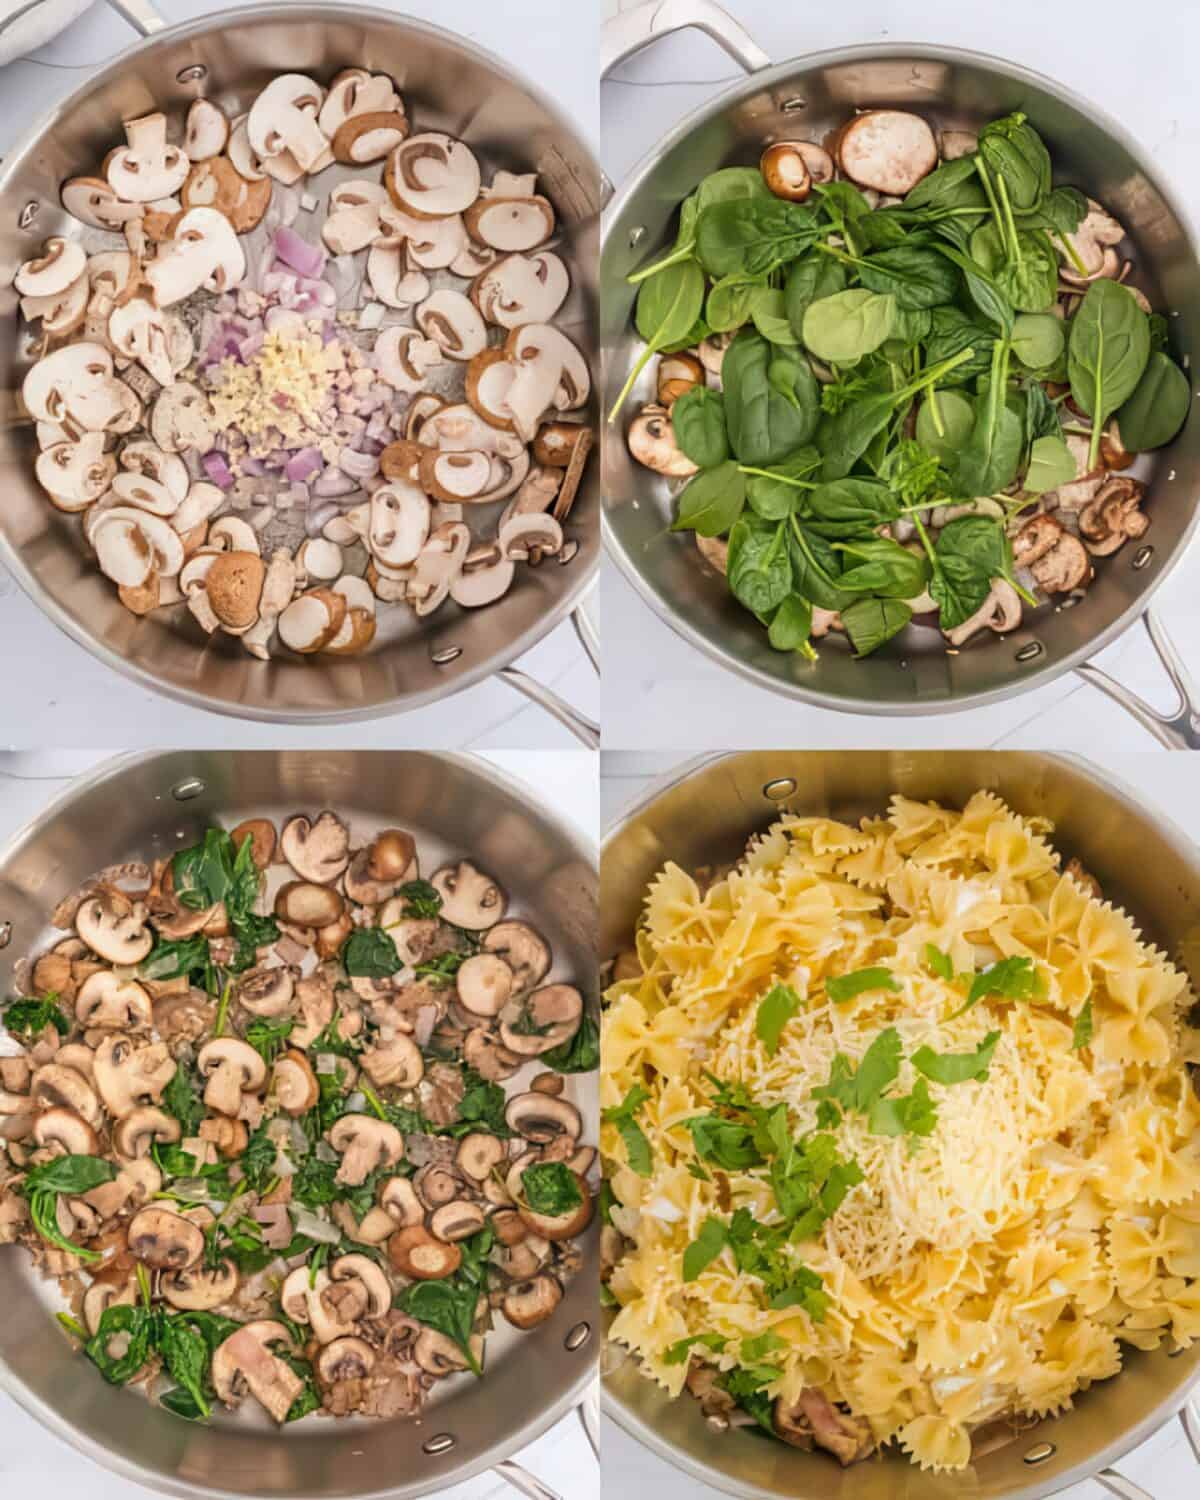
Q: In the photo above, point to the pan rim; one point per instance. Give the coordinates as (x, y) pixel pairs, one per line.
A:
(640, 1430)
(724, 656)
(42, 1411)
(212, 21)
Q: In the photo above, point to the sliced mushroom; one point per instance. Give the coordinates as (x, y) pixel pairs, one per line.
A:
(318, 852)
(182, 419)
(523, 949)
(784, 168)
(201, 1288)
(399, 523)
(231, 1067)
(205, 131)
(432, 175)
(545, 1019)
(437, 1354)
(164, 1240)
(438, 564)
(128, 1075)
(1094, 242)
(93, 202)
(114, 927)
(283, 119)
(105, 1000)
(542, 1118)
(1000, 611)
(61, 264)
(312, 620)
(102, 1295)
(415, 1252)
(457, 1221)
(510, 225)
(396, 1062)
(1065, 567)
(454, 322)
(485, 1053)
(134, 1135)
(345, 1358)
(234, 584)
(307, 904)
(529, 538)
(478, 1156)
(399, 1200)
(70, 1133)
(294, 1083)
(203, 251)
(146, 168)
(1113, 517)
(245, 1361)
(485, 984)
(889, 150)
(392, 280)
(470, 899)
(403, 358)
(76, 474)
(519, 289)
(366, 1144)
(529, 1303)
(550, 372)
(652, 443)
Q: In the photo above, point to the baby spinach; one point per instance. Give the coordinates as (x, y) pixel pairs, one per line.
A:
(916, 276)
(848, 506)
(771, 399)
(870, 623)
(370, 953)
(768, 312)
(881, 566)
(1038, 339)
(815, 568)
(951, 331)
(448, 1307)
(1155, 411)
(791, 626)
(70, 1174)
(729, 302)
(944, 424)
(698, 422)
(712, 501)
(1107, 354)
(991, 456)
(28, 1018)
(812, 278)
(753, 235)
(1012, 149)
(951, 185)
(550, 1188)
(776, 492)
(759, 566)
(842, 328)
(580, 1055)
(668, 305)
(970, 553)
(1051, 463)
(987, 296)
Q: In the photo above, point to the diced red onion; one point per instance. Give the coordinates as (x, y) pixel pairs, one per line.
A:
(284, 320)
(250, 346)
(254, 467)
(319, 292)
(295, 251)
(217, 469)
(304, 465)
(333, 483)
(320, 515)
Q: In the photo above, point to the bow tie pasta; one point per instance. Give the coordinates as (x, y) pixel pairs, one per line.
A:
(899, 1134)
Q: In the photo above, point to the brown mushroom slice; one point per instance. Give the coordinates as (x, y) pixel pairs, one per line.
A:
(784, 168)
(1113, 517)
(76, 474)
(652, 442)
(114, 927)
(438, 563)
(376, 1289)
(456, 1221)
(543, 1118)
(245, 1362)
(486, 576)
(262, 836)
(485, 984)
(365, 1144)
(564, 1226)
(677, 375)
(294, 1083)
(205, 130)
(369, 137)
(396, 1062)
(93, 202)
(127, 1075)
(528, 1303)
(438, 1355)
(432, 175)
(200, 1288)
(485, 1053)
(519, 289)
(392, 280)
(231, 1067)
(510, 225)
(1094, 243)
(1035, 538)
(307, 904)
(234, 584)
(353, 222)
(348, 1358)
(1000, 611)
(523, 949)
(454, 322)
(399, 1200)
(58, 1086)
(282, 120)
(551, 372)
(889, 150)
(529, 538)
(135, 1134)
(356, 92)
(545, 1019)
(417, 1253)
(478, 1156)
(489, 376)
(62, 1130)
(403, 358)
(182, 419)
(146, 168)
(203, 251)
(318, 851)
(102, 1295)
(104, 1000)
(164, 1240)
(1065, 567)
(470, 899)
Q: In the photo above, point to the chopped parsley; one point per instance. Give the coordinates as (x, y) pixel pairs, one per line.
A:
(637, 1147)
(956, 1067)
(775, 1010)
(1085, 1027)
(843, 987)
(1010, 979)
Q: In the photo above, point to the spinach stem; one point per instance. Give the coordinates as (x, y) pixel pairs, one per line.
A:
(1068, 245)
(935, 409)
(223, 1007)
(74, 1328)
(796, 484)
(1010, 221)
(681, 252)
(647, 355)
(987, 188)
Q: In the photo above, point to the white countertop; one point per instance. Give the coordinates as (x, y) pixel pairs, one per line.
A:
(1164, 1465)
(659, 689)
(32, 1462)
(66, 696)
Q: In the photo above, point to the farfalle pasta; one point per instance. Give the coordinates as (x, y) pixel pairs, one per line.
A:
(899, 1133)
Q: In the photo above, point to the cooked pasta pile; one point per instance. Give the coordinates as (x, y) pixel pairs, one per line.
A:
(995, 1183)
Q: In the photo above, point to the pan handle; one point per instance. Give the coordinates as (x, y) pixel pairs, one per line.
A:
(521, 1479)
(1189, 1415)
(140, 14)
(635, 29)
(1117, 1484)
(1177, 731)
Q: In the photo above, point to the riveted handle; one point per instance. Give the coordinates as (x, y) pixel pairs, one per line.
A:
(528, 1484)
(1176, 731)
(633, 30)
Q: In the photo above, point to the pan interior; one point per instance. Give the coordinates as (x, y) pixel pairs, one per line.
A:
(455, 810)
(808, 99)
(705, 817)
(446, 85)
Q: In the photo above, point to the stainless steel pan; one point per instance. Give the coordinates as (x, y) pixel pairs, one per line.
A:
(808, 96)
(703, 814)
(148, 805)
(448, 84)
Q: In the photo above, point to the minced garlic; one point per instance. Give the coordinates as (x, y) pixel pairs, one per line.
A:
(279, 397)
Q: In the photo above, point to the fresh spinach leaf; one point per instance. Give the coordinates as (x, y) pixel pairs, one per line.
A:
(1156, 410)
(791, 626)
(1107, 354)
(753, 236)
(771, 399)
(759, 567)
(370, 953)
(579, 1055)
(810, 280)
(698, 422)
(842, 328)
(712, 500)
(871, 623)
(550, 1188)
(29, 1018)
(1051, 463)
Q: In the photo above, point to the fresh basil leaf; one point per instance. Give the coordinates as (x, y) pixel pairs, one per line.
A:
(637, 1147)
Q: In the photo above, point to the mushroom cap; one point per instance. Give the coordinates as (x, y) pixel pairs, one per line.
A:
(362, 1268)
(164, 1240)
(62, 1127)
(457, 1220)
(136, 1133)
(889, 150)
(417, 1253)
(556, 1011)
(528, 1303)
(517, 289)
(510, 224)
(127, 1074)
(318, 852)
(470, 898)
(346, 1358)
(523, 949)
(437, 1354)
(199, 1288)
(308, 904)
(396, 1062)
(784, 168)
(431, 175)
(114, 927)
(400, 517)
(245, 1360)
(267, 992)
(478, 1155)
(542, 1118)
(61, 264)
(366, 1144)
(294, 1083)
(652, 442)
(485, 984)
(558, 1227)
(205, 131)
(147, 168)
(282, 119)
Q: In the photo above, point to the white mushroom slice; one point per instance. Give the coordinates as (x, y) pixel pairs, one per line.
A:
(403, 358)
(432, 175)
(472, 260)
(455, 477)
(92, 201)
(485, 576)
(489, 378)
(521, 535)
(123, 552)
(510, 224)
(460, 429)
(369, 137)
(286, 170)
(1093, 241)
(432, 244)
(440, 561)
(143, 457)
(113, 274)
(182, 418)
(159, 541)
(50, 434)
(76, 474)
(508, 474)
(283, 118)
(889, 150)
(232, 534)
(75, 382)
(194, 574)
(205, 131)
(521, 289)
(310, 622)
(357, 92)
(354, 217)
(454, 322)
(399, 524)
(61, 313)
(278, 587)
(145, 494)
(956, 143)
(147, 167)
(138, 331)
(61, 263)
(241, 153)
(204, 251)
(550, 372)
(391, 280)
(317, 558)
(201, 501)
